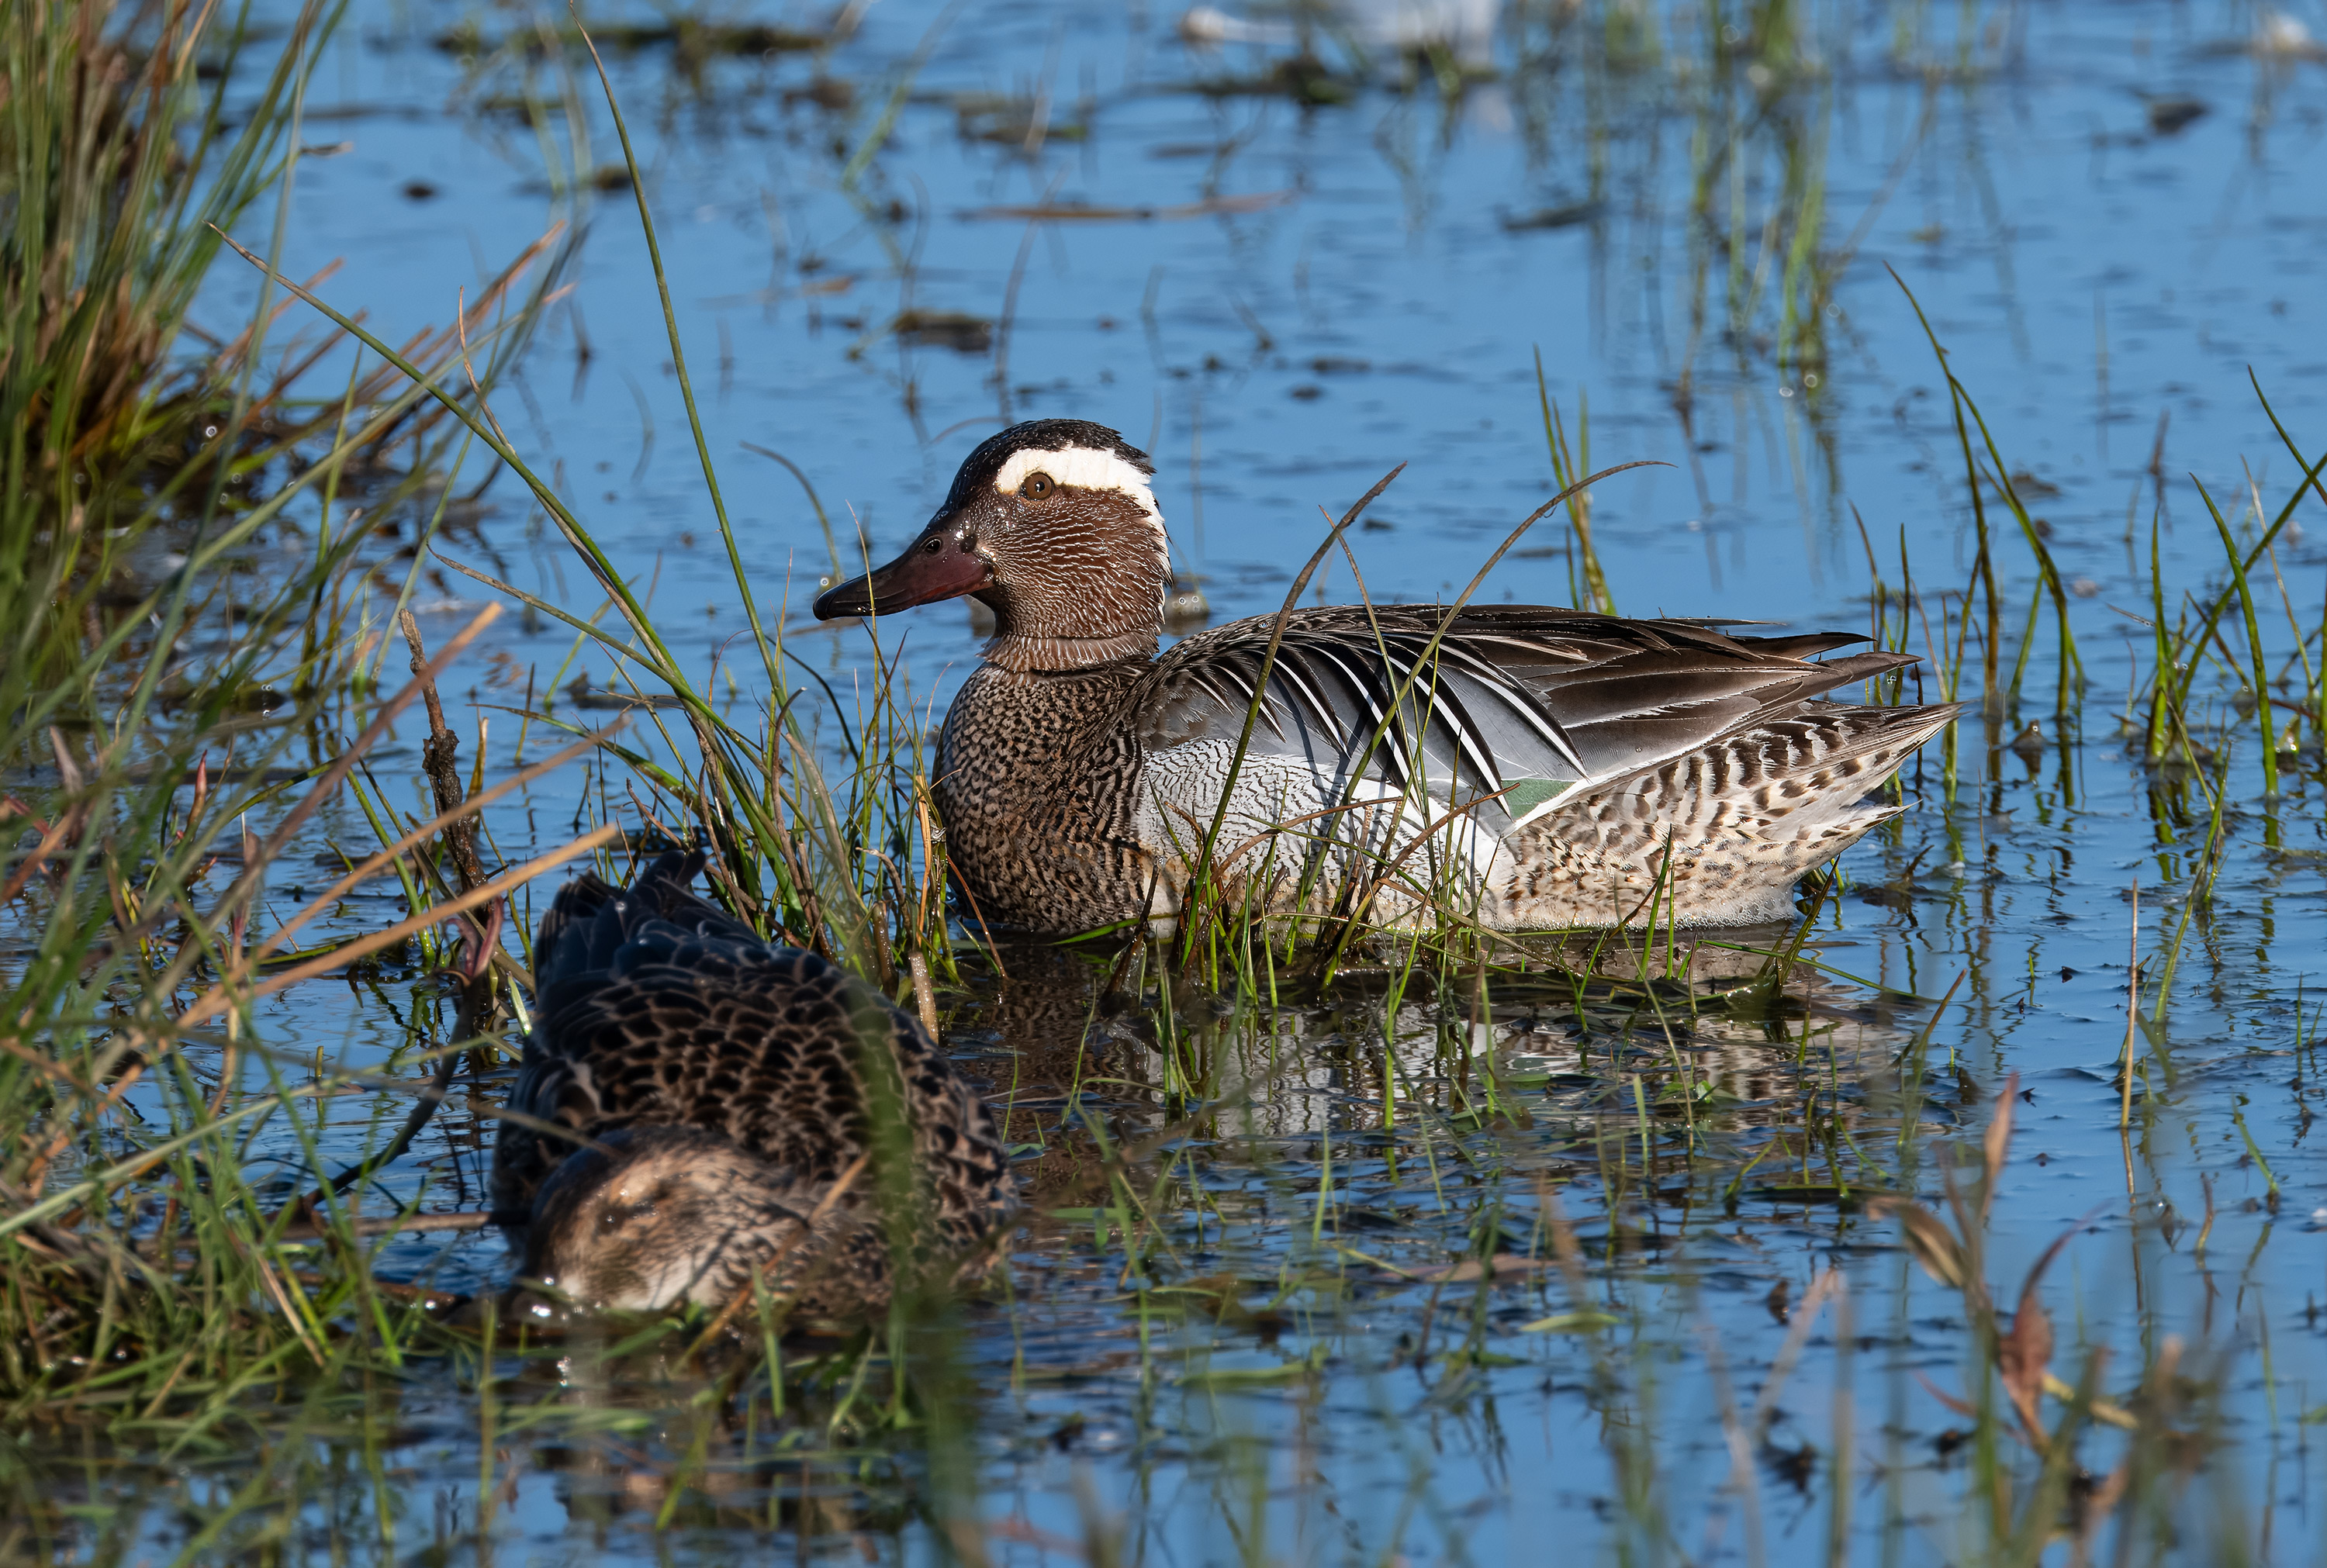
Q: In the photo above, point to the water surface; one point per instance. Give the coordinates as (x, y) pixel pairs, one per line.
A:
(1282, 281)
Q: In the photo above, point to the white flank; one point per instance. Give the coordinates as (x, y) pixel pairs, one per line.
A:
(1084, 468)
(1184, 792)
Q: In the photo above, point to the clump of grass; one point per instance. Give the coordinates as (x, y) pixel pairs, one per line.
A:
(142, 732)
(113, 166)
(2029, 1483)
(820, 865)
(114, 163)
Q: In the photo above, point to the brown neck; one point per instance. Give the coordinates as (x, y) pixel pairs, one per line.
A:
(1025, 655)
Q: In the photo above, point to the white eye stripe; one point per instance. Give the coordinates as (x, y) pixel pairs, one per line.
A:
(1088, 468)
(1082, 467)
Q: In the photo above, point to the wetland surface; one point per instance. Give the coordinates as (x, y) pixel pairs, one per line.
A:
(1429, 1263)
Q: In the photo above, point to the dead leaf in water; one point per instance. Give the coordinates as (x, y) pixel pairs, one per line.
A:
(2023, 1355)
(1999, 1136)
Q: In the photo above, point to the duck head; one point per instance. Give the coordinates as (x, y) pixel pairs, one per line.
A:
(1053, 525)
(648, 1217)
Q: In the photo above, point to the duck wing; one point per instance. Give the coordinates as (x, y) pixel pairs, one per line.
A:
(1517, 702)
(657, 1009)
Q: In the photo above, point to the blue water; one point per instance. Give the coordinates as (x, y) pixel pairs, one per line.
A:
(1322, 293)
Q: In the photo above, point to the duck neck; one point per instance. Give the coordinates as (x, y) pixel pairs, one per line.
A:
(1021, 654)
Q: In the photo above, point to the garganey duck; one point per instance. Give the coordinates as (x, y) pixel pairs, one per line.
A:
(696, 1105)
(1555, 768)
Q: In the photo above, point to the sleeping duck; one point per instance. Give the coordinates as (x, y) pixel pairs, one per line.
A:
(697, 1106)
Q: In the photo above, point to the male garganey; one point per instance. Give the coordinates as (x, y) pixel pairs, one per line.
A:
(1535, 767)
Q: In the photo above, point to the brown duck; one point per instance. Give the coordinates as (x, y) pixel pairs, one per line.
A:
(697, 1106)
(1536, 767)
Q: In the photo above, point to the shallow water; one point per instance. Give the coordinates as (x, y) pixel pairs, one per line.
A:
(1281, 300)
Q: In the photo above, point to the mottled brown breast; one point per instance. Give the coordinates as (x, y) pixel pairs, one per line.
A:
(1038, 775)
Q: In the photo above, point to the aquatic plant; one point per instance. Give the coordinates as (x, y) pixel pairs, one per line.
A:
(184, 598)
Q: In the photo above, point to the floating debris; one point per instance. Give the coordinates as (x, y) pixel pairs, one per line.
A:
(2168, 115)
(1462, 29)
(1086, 212)
(1016, 122)
(1567, 216)
(956, 329)
(2280, 36)
(713, 38)
(687, 35)
(825, 92)
(1304, 79)
(1208, 27)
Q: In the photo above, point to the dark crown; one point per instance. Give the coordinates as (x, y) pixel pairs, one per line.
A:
(978, 469)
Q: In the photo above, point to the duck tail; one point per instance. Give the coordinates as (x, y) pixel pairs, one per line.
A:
(589, 919)
(563, 950)
(665, 890)
(667, 885)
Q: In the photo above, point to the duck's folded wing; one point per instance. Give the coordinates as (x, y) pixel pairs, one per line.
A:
(784, 1053)
(681, 1028)
(1502, 712)
(551, 1110)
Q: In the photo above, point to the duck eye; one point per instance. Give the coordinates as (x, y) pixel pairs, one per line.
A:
(1036, 486)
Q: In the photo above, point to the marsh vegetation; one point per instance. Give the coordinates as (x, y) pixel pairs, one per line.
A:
(1970, 1217)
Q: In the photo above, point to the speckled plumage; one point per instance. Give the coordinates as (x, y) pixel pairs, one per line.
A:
(728, 1086)
(1544, 767)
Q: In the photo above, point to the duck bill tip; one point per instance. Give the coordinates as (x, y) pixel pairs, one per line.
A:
(844, 600)
(916, 577)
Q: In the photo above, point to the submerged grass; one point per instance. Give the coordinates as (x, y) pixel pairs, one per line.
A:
(168, 1299)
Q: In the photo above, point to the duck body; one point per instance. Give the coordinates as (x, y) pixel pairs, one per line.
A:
(1524, 766)
(697, 1106)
